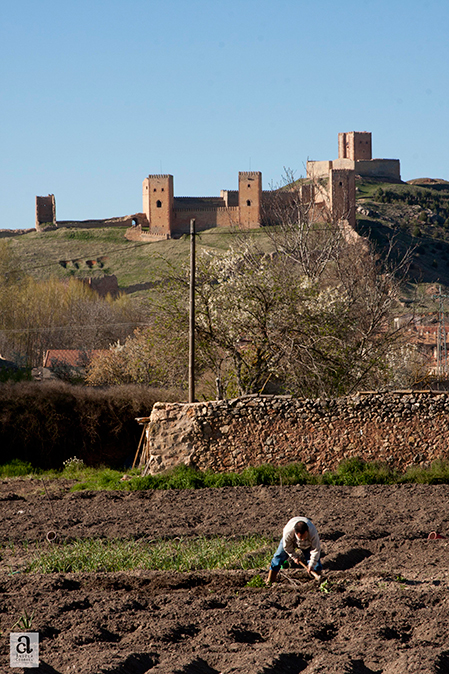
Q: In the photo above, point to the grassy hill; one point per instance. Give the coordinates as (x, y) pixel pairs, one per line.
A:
(416, 214)
(95, 252)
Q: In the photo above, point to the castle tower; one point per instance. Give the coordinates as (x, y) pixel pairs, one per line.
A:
(250, 197)
(342, 195)
(158, 200)
(355, 145)
(45, 211)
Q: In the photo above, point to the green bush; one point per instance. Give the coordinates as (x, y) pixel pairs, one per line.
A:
(296, 473)
(259, 475)
(355, 471)
(14, 374)
(437, 473)
(16, 468)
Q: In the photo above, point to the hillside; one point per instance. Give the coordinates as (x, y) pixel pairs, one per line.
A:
(83, 253)
(415, 214)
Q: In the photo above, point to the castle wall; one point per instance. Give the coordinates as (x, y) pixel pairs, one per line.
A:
(137, 233)
(206, 218)
(379, 168)
(124, 221)
(7, 233)
(372, 168)
(230, 197)
(318, 169)
(400, 429)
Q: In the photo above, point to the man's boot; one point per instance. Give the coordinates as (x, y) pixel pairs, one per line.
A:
(272, 574)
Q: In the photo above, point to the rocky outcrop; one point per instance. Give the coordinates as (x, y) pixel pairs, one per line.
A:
(399, 429)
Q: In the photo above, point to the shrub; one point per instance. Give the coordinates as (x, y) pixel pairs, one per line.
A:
(355, 471)
(437, 473)
(59, 421)
(16, 468)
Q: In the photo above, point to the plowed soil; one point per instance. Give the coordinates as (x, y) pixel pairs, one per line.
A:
(386, 610)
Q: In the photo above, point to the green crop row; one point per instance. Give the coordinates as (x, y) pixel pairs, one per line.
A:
(351, 472)
(99, 555)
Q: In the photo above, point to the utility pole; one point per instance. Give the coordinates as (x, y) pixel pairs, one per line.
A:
(442, 369)
(192, 315)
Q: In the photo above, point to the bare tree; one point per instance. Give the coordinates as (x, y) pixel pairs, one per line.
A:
(312, 316)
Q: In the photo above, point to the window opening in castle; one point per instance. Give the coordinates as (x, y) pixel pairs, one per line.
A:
(158, 204)
(248, 203)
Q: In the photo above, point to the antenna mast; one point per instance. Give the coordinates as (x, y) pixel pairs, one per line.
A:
(442, 369)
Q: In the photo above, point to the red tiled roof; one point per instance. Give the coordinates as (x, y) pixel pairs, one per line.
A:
(71, 357)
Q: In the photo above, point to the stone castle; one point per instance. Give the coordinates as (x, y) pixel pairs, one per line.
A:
(329, 187)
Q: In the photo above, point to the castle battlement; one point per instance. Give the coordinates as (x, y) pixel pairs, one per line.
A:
(205, 209)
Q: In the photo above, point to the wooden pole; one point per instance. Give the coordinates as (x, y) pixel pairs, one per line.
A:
(139, 445)
(192, 315)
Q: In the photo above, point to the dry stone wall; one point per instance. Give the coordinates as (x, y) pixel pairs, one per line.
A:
(400, 429)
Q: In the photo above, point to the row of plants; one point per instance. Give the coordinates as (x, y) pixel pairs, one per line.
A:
(350, 472)
(179, 554)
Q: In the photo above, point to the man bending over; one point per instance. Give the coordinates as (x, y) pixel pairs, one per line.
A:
(300, 542)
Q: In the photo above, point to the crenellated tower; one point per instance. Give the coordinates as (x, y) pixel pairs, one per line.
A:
(158, 202)
(250, 197)
(355, 145)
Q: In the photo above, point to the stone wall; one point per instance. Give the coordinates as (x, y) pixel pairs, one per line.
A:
(400, 429)
(136, 219)
(6, 233)
(205, 218)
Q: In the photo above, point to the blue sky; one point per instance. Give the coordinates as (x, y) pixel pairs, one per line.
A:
(96, 95)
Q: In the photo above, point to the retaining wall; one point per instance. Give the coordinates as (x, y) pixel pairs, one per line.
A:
(400, 429)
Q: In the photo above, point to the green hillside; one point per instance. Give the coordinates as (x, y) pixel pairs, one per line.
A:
(415, 214)
(81, 253)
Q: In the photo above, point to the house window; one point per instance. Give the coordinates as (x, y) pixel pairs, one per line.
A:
(158, 204)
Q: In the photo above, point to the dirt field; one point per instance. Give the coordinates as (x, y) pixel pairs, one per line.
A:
(387, 611)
